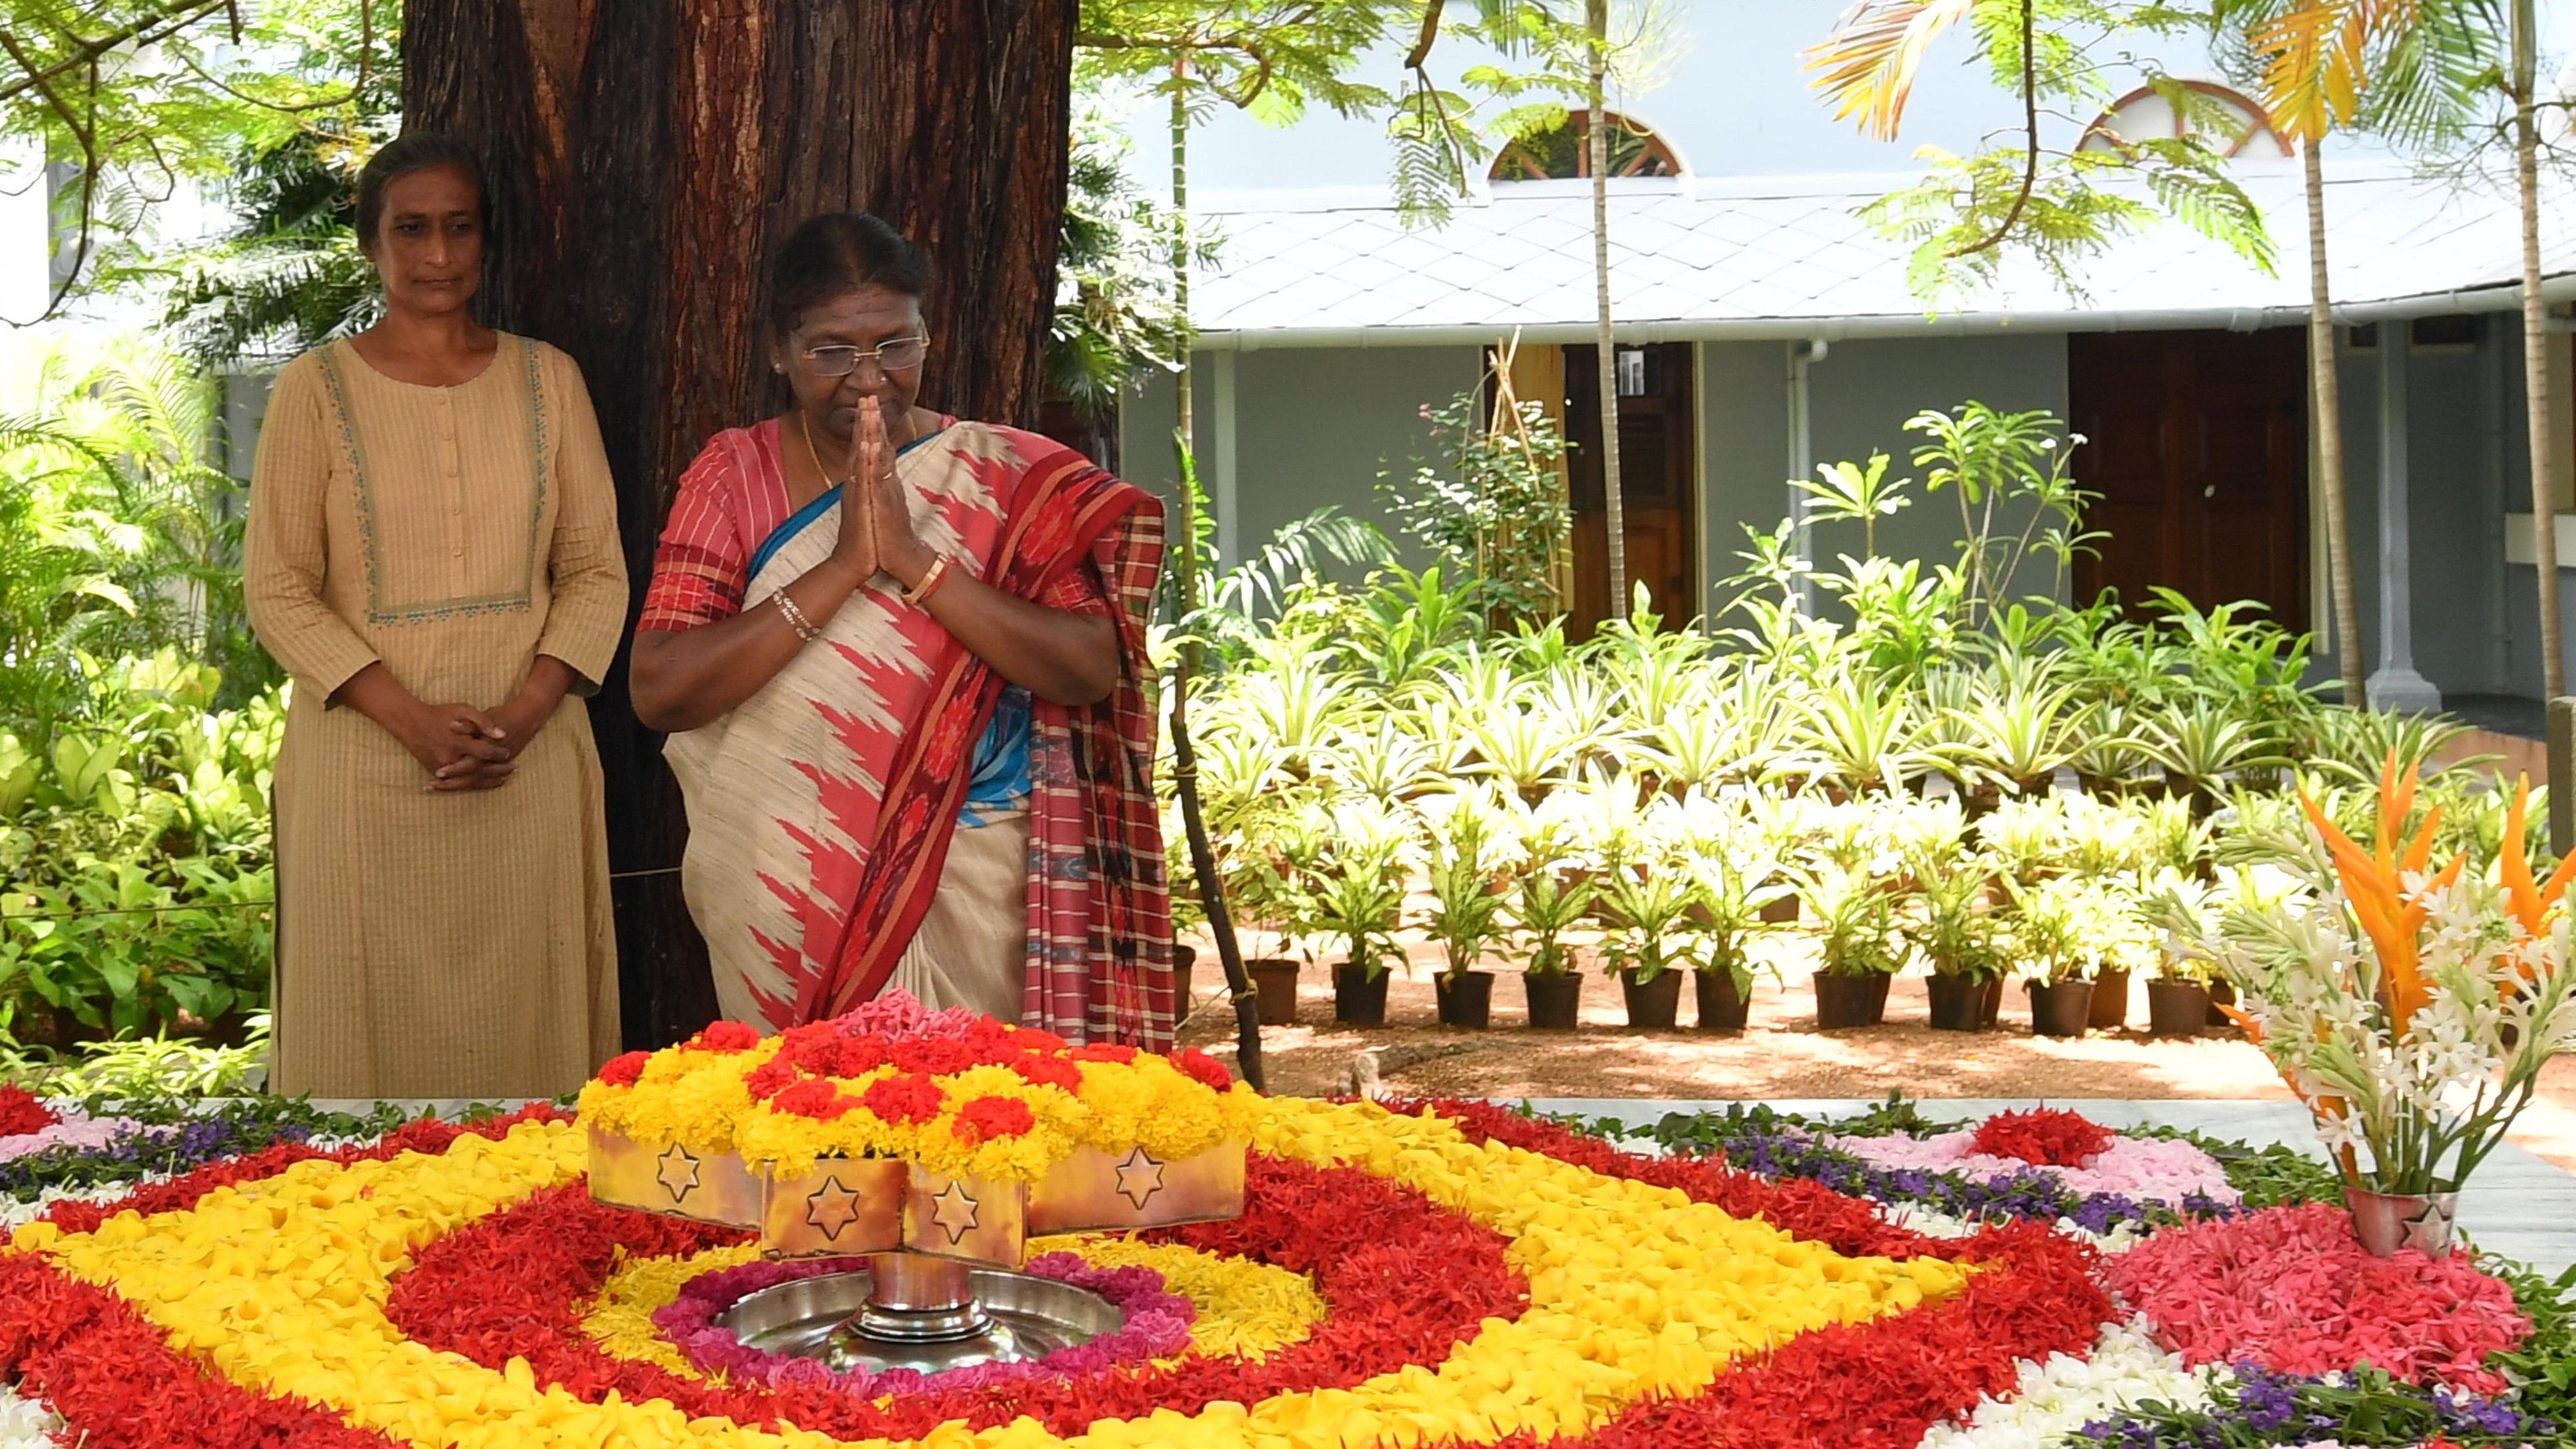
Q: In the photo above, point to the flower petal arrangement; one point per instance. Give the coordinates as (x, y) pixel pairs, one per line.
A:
(962, 1095)
(1403, 1273)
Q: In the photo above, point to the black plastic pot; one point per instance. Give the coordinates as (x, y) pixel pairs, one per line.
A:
(1843, 1001)
(1359, 998)
(2060, 1008)
(1652, 1005)
(2222, 993)
(1720, 1008)
(1555, 999)
(1466, 998)
(1183, 958)
(2110, 1010)
(1274, 981)
(2177, 1008)
(1992, 1012)
(1958, 1003)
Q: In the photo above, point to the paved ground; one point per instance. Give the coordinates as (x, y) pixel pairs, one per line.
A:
(1781, 1055)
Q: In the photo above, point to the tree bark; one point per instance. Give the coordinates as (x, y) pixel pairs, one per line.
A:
(2329, 426)
(2535, 348)
(1614, 518)
(646, 159)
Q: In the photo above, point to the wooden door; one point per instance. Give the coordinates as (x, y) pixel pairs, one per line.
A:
(1658, 473)
(2197, 443)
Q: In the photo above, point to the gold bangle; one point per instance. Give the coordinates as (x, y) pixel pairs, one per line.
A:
(796, 620)
(931, 578)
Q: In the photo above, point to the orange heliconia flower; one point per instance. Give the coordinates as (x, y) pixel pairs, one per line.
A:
(2375, 886)
(2527, 901)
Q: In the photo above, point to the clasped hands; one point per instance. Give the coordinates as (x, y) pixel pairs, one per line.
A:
(876, 520)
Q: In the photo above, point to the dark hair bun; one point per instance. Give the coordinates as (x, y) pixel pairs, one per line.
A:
(835, 254)
(409, 152)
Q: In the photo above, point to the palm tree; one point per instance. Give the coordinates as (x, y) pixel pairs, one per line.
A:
(1614, 519)
(2535, 340)
(2403, 69)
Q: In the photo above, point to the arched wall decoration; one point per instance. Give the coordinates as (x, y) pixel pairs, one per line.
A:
(1563, 152)
(2145, 114)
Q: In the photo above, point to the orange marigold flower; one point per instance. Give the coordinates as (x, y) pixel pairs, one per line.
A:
(937, 1055)
(817, 1099)
(1040, 1071)
(909, 1098)
(1105, 1052)
(986, 1118)
(726, 1036)
(1200, 1067)
(622, 1071)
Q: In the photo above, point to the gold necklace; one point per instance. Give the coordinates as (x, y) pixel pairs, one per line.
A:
(807, 430)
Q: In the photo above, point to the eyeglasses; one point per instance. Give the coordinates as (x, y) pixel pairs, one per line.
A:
(895, 354)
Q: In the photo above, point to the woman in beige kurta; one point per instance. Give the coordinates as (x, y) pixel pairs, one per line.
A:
(442, 932)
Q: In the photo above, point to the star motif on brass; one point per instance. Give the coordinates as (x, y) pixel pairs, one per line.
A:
(1139, 1177)
(832, 1208)
(956, 1215)
(679, 1174)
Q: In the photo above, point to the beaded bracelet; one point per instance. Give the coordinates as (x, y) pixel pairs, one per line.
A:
(796, 620)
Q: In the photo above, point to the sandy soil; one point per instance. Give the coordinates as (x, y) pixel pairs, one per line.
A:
(1780, 1055)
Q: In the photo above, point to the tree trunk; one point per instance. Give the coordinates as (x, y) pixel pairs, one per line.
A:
(2535, 348)
(647, 157)
(2329, 426)
(1183, 397)
(1614, 518)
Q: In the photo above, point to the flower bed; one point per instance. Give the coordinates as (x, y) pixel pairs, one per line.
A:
(1446, 1269)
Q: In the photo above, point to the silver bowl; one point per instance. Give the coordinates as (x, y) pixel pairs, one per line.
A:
(937, 1314)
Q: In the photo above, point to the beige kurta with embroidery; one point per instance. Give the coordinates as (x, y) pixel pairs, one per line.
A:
(436, 945)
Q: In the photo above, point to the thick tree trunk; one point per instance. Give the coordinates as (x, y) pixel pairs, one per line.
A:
(647, 157)
(2329, 426)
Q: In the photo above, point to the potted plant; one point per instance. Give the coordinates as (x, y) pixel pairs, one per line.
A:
(1732, 911)
(2053, 927)
(1857, 945)
(1644, 909)
(1359, 897)
(2178, 997)
(1958, 935)
(1546, 906)
(2386, 998)
(1466, 911)
(1263, 881)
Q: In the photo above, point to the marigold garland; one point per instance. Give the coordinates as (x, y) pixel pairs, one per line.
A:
(901, 1083)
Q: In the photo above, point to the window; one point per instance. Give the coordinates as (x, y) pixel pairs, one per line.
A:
(2233, 124)
(1564, 151)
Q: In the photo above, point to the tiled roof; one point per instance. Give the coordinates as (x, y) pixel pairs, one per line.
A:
(1788, 256)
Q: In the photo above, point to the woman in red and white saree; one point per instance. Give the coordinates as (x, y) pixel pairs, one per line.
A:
(902, 658)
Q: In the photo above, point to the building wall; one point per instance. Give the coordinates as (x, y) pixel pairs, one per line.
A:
(1312, 428)
(1859, 397)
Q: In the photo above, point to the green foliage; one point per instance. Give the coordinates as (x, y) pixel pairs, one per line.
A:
(2060, 207)
(116, 535)
(131, 99)
(138, 859)
(1116, 316)
(143, 1069)
(2544, 1368)
(1492, 506)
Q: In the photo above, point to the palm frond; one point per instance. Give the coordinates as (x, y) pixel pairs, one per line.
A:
(1866, 67)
